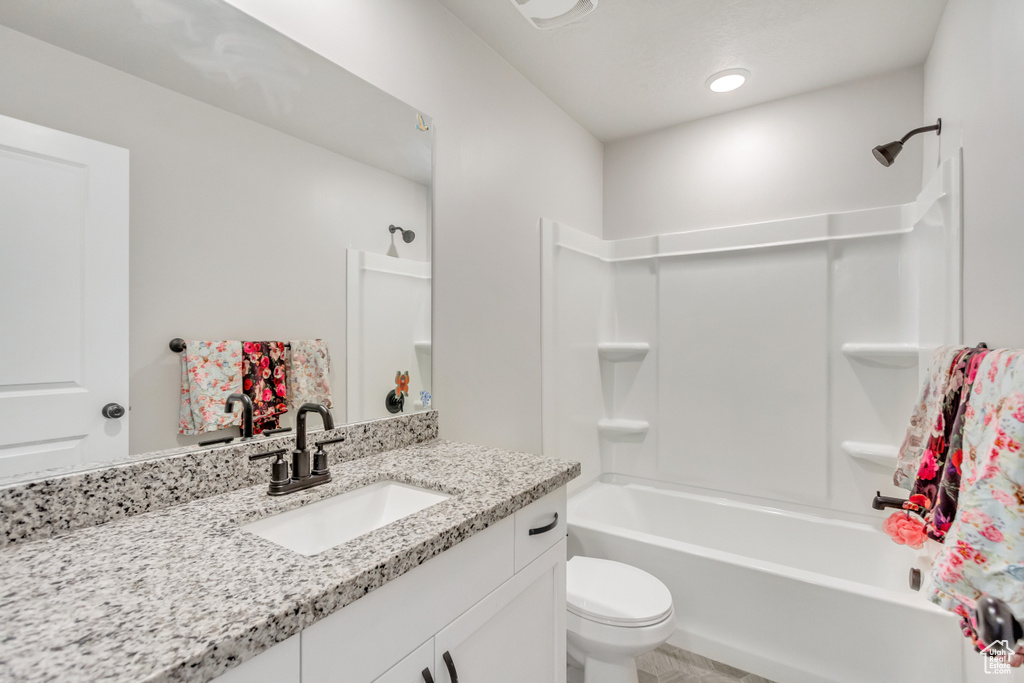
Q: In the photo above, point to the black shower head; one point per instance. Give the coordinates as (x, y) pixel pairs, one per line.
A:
(887, 153)
(407, 235)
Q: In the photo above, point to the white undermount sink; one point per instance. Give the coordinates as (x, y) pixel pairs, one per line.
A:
(319, 526)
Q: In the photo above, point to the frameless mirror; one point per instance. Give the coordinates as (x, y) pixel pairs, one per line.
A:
(271, 195)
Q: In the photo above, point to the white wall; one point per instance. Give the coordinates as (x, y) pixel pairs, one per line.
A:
(237, 231)
(973, 81)
(797, 156)
(505, 156)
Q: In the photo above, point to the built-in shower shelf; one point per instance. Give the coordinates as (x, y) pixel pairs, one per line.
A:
(421, 346)
(889, 355)
(623, 430)
(618, 352)
(879, 453)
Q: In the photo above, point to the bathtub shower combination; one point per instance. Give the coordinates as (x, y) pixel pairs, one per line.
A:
(736, 397)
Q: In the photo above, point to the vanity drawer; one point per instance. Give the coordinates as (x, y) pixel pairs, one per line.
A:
(546, 518)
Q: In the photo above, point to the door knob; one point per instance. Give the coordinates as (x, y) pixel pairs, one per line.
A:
(113, 411)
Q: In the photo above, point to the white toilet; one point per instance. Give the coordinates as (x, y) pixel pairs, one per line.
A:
(615, 612)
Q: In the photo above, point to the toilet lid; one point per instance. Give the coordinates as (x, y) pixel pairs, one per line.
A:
(615, 593)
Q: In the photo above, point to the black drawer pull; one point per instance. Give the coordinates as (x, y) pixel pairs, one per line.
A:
(546, 528)
(452, 673)
(427, 678)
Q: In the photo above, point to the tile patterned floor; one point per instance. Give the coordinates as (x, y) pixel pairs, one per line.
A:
(669, 664)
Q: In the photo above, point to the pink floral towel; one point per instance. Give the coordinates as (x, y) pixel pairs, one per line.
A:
(309, 365)
(210, 372)
(984, 548)
(263, 380)
(926, 416)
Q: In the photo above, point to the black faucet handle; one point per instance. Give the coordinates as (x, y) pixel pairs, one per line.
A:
(279, 430)
(260, 456)
(279, 470)
(328, 442)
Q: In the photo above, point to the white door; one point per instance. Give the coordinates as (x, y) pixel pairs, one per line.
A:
(515, 634)
(64, 302)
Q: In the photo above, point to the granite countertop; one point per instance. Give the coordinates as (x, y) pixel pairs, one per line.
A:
(184, 594)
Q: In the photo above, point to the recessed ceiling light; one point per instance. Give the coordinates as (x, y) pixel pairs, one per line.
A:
(727, 80)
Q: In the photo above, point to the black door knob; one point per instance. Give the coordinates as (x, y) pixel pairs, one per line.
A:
(113, 411)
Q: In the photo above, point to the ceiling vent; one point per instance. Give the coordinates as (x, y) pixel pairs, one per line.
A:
(545, 14)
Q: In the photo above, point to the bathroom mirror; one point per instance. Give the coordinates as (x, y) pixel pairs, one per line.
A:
(260, 175)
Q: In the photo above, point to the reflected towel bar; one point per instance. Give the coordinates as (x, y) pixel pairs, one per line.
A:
(178, 345)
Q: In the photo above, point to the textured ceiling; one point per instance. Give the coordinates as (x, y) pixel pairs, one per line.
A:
(634, 66)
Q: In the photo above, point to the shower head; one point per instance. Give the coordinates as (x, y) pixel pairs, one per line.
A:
(887, 153)
(407, 235)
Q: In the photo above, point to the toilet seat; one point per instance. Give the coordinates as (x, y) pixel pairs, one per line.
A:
(616, 594)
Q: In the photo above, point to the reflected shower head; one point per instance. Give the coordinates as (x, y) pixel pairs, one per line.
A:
(407, 235)
(887, 153)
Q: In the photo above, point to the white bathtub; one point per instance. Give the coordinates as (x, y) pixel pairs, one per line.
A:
(791, 597)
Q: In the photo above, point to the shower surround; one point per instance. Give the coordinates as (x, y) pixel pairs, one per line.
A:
(770, 365)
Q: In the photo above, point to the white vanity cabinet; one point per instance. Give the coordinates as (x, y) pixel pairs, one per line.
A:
(494, 602)
(410, 669)
(515, 634)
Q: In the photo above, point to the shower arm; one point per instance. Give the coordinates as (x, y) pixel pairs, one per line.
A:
(937, 127)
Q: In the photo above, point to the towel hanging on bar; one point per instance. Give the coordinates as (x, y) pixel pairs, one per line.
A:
(210, 372)
(263, 380)
(983, 551)
(309, 366)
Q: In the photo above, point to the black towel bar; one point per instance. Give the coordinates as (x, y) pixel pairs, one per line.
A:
(178, 345)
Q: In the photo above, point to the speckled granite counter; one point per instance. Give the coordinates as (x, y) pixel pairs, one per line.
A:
(184, 594)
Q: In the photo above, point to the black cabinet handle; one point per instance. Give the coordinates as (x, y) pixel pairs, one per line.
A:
(427, 678)
(452, 673)
(546, 528)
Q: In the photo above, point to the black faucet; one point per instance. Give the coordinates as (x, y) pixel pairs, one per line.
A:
(229, 407)
(301, 477)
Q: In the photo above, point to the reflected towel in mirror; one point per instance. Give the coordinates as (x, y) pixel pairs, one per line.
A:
(210, 372)
(309, 367)
(263, 380)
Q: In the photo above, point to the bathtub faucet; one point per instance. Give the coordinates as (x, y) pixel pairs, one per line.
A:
(881, 502)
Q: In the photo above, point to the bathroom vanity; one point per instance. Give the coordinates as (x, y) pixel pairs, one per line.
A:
(184, 593)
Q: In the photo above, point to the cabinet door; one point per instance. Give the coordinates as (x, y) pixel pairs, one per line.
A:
(364, 640)
(515, 634)
(410, 669)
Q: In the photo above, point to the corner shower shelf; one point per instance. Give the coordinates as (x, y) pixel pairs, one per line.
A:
(422, 346)
(617, 352)
(890, 355)
(879, 453)
(623, 430)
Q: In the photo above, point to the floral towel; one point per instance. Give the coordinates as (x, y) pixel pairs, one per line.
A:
(984, 547)
(263, 371)
(210, 372)
(933, 461)
(926, 413)
(309, 365)
(944, 510)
